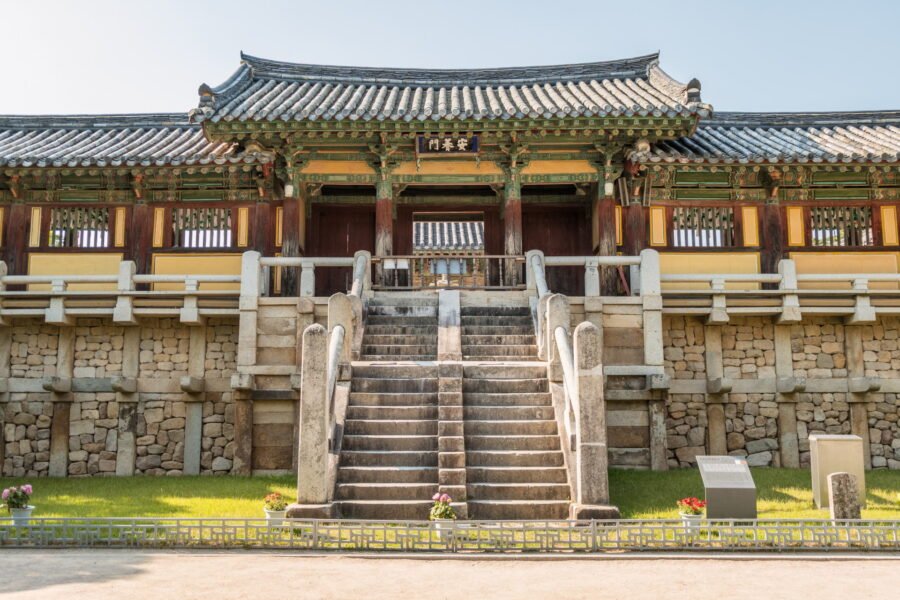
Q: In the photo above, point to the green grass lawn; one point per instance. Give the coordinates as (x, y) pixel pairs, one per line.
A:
(782, 493)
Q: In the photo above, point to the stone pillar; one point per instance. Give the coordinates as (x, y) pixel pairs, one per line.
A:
(451, 437)
(592, 461)
(604, 230)
(658, 455)
(242, 382)
(194, 389)
(127, 397)
(512, 228)
(651, 300)
(5, 351)
(341, 313)
(312, 462)
(716, 392)
(449, 328)
(856, 370)
(60, 389)
(786, 397)
(384, 218)
(843, 496)
(243, 433)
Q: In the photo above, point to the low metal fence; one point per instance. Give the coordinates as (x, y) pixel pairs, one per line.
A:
(461, 536)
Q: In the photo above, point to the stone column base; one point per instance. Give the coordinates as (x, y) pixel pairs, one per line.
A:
(584, 512)
(312, 511)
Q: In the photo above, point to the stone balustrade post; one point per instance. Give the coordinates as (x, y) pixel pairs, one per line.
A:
(651, 300)
(790, 301)
(307, 278)
(592, 277)
(557, 316)
(341, 313)
(312, 459)
(123, 313)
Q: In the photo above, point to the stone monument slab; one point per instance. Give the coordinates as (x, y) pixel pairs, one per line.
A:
(730, 490)
(835, 454)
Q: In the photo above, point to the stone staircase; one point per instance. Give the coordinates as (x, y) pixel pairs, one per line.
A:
(492, 333)
(389, 456)
(400, 327)
(514, 463)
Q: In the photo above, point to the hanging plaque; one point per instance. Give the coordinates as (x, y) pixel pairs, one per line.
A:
(437, 145)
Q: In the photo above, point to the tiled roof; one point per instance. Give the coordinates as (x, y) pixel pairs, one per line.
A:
(448, 235)
(265, 90)
(785, 137)
(109, 140)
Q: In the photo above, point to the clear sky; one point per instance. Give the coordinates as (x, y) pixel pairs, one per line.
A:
(92, 56)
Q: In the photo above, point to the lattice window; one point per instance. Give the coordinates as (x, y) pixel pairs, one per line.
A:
(201, 228)
(703, 227)
(78, 227)
(833, 226)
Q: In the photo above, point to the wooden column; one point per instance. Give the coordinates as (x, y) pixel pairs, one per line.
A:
(139, 238)
(773, 237)
(384, 218)
(16, 251)
(263, 231)
(293, 236)
(604, 234)
(634, 225)
(512, 228)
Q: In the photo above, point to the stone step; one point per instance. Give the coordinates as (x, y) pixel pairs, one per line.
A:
(401, 321)
(518, 509)
(495, 321)
(505, 442)
(518, 491)
(498, 329)
(499, 359)
(390, 427)
(386, 491)
(383, 458)
(404, 510)
(274, 395)
(372, 329)
(533, 399)
(500, 386)
(399, 299)
(402, 339)
(495, 311)
(401, 443)
(400, 357)
(504, 372)
(395, 371)
(383, 384)
(389, 399)
(499, 352)
(395, 350)
(513, 458)
(510, 427)
(388, 474)
(538, 474)
(403, 413)
(503, 413)
(497, 340)
(395, 310)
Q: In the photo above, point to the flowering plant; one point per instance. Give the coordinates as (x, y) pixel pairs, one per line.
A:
(691, 506)
(17, 497)
(275, 501)
(441, 509)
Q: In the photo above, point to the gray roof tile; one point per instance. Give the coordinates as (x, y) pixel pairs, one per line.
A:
(268, 90)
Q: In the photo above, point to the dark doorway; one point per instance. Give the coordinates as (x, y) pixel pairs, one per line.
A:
(336, 230)
(558, 231)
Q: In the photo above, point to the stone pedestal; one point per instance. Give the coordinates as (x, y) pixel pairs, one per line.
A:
(312, 511)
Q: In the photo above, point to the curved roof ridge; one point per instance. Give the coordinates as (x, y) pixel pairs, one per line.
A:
(801, 119)
(637, 66)
(95, 121)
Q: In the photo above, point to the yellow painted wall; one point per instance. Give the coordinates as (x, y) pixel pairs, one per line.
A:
(339, 167)
(750, 225)
(430, 166)
(889, 226)
(795, 226)
(74, 263)
(657, 225)
(570, 167)
(845, 262)
(197, 264)
(708, 263)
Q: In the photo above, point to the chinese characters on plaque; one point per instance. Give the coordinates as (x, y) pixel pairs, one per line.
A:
(446, 144)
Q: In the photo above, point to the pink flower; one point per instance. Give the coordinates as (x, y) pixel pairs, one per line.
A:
(27, 488)
(445, 498)
(6, 493)
(436, 497)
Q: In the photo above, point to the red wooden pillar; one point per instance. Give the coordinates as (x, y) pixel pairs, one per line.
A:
(634, 226)
(773, 237)
(604, 235)
(512, 229)
(139, 238)
(384, 219)
(15, 252)
(292, 239)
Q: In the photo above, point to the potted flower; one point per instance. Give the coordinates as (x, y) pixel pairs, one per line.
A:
(441, 513)
(16, 500)
(275, 507)
(691, 511)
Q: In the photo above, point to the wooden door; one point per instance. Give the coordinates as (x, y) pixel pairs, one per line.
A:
(339, 231)
(559, 231)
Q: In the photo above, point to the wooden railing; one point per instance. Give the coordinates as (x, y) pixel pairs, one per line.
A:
(436, 271)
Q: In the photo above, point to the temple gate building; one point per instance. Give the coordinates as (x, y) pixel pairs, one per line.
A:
(495, 283)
